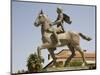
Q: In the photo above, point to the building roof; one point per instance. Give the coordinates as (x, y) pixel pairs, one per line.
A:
(65, 53)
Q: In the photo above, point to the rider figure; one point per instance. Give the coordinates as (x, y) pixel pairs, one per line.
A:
(59, 22)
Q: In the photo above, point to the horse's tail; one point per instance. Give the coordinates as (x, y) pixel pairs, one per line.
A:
(85, 37)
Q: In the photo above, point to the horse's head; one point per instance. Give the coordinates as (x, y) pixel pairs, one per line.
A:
(40, 19)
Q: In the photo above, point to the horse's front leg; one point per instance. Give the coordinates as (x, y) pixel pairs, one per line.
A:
(39, 52)
(51, 51)
(41, 47)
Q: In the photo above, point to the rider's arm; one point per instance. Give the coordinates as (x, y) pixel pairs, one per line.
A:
(59, 20)
(50, 30)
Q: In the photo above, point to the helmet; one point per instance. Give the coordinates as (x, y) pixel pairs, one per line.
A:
(59, 9)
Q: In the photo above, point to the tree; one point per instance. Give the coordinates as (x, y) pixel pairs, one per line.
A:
(34, 64)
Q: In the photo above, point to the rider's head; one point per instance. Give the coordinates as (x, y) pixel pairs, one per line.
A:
(59, 10)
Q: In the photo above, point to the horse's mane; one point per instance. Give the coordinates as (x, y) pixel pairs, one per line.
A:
(47, 18)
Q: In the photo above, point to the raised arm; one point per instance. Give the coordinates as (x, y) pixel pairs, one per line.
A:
(59, 19)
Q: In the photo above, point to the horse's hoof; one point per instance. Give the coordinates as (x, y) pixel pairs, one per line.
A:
(83, 65)
(54, 66)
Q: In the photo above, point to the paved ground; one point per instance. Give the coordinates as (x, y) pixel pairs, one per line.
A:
(67, 68)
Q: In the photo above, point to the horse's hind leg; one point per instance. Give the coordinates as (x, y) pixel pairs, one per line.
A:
(82, 54)
(51, 51)
(72, 55)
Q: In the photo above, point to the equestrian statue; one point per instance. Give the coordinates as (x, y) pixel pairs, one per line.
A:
(53, 38)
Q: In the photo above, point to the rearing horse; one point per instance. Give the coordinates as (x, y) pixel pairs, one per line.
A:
(69, 38)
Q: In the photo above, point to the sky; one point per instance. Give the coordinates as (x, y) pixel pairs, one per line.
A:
(26, 37)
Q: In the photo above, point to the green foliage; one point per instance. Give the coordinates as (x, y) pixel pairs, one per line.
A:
(76, 63)
(34, 64)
